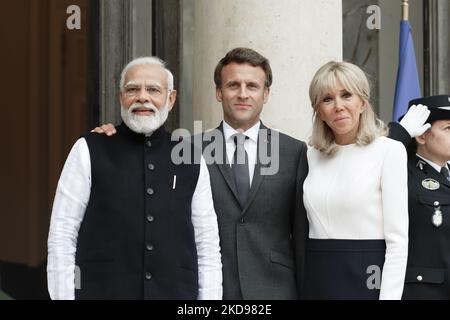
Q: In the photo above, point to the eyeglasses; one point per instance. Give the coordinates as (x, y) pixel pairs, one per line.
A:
(153, 91)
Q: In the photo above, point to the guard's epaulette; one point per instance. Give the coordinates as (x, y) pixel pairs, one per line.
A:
(420, 164)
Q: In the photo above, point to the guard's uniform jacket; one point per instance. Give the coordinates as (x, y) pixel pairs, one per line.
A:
(428, 269)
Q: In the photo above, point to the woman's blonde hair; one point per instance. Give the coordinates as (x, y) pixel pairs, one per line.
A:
(352, 78)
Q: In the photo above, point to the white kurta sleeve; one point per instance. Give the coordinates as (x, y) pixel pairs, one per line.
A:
(394, 185)
(204, 220)
(72, 196)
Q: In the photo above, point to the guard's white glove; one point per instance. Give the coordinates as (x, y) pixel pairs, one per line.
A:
(414, 120)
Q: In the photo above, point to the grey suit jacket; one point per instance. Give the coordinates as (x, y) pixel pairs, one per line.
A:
(263, 242)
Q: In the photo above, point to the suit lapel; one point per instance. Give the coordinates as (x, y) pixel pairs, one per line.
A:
(257, 177)
(225, 169)
(224, 166)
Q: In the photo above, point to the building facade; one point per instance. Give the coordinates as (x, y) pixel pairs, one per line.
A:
(64, 58)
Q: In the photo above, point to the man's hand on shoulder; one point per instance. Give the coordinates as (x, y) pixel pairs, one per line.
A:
(107, 129)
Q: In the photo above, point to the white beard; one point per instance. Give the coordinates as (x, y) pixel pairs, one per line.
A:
(144, 124)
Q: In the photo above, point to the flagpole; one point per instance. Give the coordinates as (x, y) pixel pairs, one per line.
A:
(405, 10)
(407, 86)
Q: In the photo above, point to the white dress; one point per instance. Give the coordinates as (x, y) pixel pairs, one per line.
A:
(361, 193)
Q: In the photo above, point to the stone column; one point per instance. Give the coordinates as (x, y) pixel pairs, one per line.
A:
(114, 52)
(296, 36)
(125, 33)
(438, 45)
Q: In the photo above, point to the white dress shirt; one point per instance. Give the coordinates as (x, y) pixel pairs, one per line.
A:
(250, 145)
(361, 193)
(71, 199)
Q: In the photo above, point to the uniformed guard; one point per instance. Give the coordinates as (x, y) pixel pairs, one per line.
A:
(428, 270)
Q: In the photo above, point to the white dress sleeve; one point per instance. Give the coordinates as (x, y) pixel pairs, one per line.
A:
(394, 189)
(72, 196)
(204, 220)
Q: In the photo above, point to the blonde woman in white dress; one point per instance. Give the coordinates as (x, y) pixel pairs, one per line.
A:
(355, 194)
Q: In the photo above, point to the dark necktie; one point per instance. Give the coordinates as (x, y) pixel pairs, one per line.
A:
(240, 168)
(445, 173)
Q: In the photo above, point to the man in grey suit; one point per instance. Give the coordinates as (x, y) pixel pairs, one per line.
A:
(257, 186)
(262, 221)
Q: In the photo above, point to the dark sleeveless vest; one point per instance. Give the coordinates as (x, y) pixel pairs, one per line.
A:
(136, 240)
